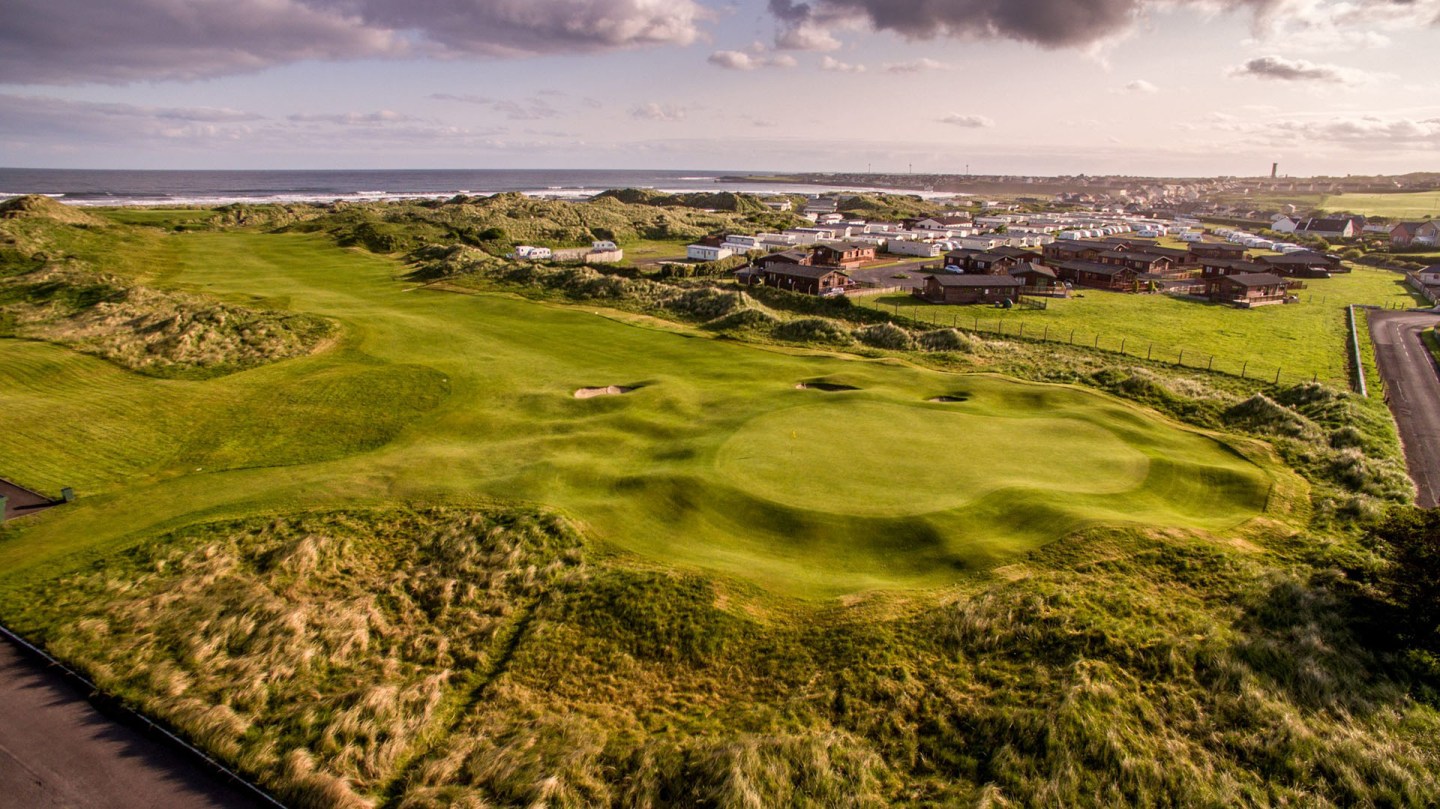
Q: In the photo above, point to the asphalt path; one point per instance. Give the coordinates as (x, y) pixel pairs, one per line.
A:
(1412, 389)
(57, 750)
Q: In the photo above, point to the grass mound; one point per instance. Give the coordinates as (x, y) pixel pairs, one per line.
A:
(35, 206)
(163, 333)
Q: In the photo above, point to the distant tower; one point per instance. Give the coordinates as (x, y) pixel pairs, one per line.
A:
(1274, 170)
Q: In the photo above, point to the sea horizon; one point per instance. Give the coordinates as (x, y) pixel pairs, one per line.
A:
(188, 188)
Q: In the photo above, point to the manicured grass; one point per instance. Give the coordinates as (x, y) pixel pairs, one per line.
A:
(1413, 205)
(437, 397)
(1302, 341)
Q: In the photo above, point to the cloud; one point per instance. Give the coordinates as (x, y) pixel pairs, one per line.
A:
(1278, 68)
(739, 60)
(120, 41)
(44, 124)
(836, 66)
(1081, 24)
(655, 111)
(535, 108)
(351, 118)
(1141, 86)
(967, 121)
(917, 66)
(1365, 131)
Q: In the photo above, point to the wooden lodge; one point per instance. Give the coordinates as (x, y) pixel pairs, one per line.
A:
(957, 288)
(1249, 290)
(1096, 275)
(846, 255)
(804, 278)
(1306, 264)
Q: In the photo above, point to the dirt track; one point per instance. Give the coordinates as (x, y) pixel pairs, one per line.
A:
(1412, 389)
(57, 750)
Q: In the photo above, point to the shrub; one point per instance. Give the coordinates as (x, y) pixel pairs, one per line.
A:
(948, 340)
(1263, 415)
(887, 336)
(813, 330)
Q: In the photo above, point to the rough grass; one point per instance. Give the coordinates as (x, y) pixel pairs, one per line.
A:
(445, 658)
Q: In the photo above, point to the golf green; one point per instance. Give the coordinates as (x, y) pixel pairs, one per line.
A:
(913, 459)
(719, 459)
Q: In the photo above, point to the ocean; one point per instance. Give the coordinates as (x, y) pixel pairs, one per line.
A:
(208, 188)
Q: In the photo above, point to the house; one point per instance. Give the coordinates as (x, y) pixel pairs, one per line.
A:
(808, 279)
(1038, 279)
(947, 222)
(1430, 276)
(1341, 228)
(1304, 264)
(532, 253)
(1220, 250)
(1076, 250)
(1098, 276)
(743, 244)
(1215, 268)
(704, 252)
(950, 288)
(1285, 224)
(844, 254)
(984, 262)
(1137, 261)
(1428, 234)
(781, 205)
(1248, 290)
(789, 258)
(901, 247)
(1403, 234)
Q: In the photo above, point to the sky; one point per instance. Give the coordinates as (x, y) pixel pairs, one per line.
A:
(1148, 87)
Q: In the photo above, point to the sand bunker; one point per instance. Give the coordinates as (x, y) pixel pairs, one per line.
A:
(612, 390)
(825, 386)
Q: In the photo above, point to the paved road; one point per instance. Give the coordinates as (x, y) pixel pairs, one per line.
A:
(20, 501)
(1412, 387)
(56, 750)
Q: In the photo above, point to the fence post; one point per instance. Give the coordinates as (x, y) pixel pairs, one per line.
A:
(1149, 351)
(1046, 336)
(1181, 361)
(1277, 375)
(1022, 329)
(1072, 337)
(1211, 366)
(1122, 344)
(1243, 367)
(1097, 341)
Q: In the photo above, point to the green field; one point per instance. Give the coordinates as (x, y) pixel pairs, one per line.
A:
(1406, 206)
(716, 461)
(1302, 341)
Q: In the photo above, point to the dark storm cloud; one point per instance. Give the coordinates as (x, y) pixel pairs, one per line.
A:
(1046, 23)
(120, 41)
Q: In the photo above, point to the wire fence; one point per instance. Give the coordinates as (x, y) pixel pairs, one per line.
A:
(988, 321)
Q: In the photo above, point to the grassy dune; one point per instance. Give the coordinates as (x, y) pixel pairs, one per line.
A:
(415, 570)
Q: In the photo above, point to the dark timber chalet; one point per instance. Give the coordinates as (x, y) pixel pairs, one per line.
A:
(1250, 289)
(794, 271)
(847, 255)
(1307, 264)
(955, 288)
(1098, 276)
